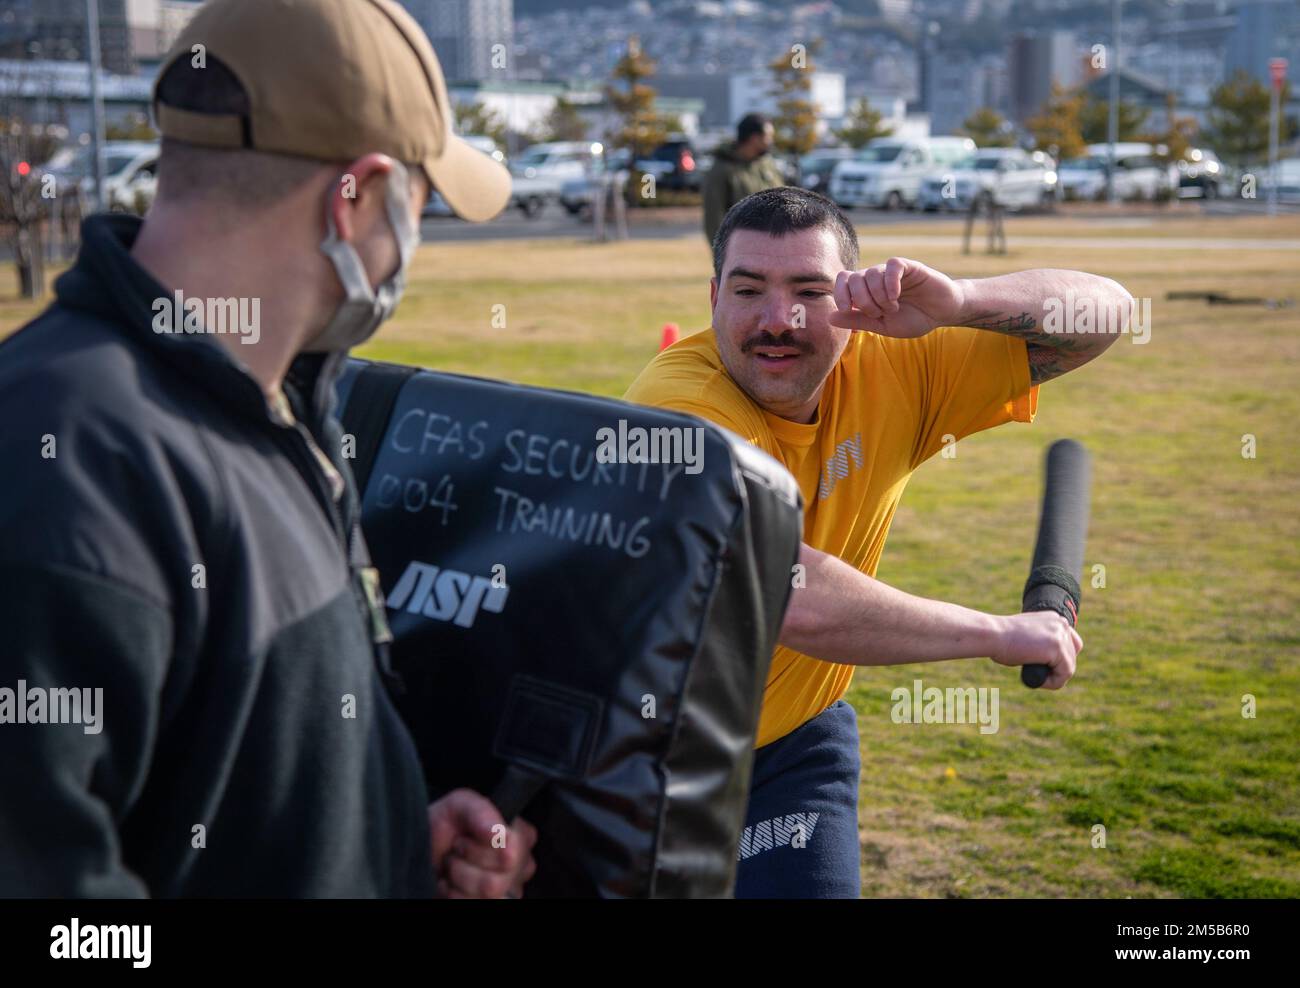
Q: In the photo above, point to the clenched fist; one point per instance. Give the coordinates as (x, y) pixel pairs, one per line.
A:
(900, 298)
(476, 854)
(1039, 638)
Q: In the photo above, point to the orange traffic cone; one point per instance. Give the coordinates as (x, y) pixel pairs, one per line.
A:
(670, 336)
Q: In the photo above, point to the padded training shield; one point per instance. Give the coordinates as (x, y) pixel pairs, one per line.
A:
(585, 641)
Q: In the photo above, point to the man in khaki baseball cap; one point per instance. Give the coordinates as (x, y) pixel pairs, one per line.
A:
(196, 539)
(351, 82)
(331, 80)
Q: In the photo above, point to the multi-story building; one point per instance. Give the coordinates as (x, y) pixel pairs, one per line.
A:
(712, 88)
(1265, 29)
(45, 91)
(473, 38)
(1034, 62)
(154, 26)
(728, 96)
(57, 30)
(1136, 89)
(752, 92)
(956, 84)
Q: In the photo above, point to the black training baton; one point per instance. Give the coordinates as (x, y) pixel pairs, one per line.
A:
(1053, 583)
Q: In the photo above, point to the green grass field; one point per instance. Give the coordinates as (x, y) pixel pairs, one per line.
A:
(1198, 543)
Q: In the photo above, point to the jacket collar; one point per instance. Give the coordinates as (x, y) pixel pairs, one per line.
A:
(107, 281)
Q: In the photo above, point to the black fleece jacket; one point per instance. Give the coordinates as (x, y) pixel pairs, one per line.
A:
(165, 539)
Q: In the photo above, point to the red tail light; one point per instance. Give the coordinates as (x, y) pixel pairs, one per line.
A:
(687, 162)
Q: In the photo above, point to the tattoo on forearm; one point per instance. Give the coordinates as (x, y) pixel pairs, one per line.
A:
(1023, 325)
(1050, 354)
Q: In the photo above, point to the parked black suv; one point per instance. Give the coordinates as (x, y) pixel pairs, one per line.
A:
(675, 165)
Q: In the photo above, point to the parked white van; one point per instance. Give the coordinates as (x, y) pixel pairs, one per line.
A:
(888, 171)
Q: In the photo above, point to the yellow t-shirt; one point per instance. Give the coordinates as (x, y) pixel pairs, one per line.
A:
(886, 408)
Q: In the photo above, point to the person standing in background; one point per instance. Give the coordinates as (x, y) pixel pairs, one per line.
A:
(740, 170)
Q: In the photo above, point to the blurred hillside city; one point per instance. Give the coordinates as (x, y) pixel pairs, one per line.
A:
(926, 66)
(874, 102)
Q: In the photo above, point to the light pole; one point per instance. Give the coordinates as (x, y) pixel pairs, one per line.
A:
(96, 100)
(1177, 32)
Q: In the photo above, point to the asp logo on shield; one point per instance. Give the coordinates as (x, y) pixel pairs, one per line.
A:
(446, 594)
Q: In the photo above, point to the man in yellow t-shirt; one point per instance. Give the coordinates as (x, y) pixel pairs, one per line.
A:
(852, 379)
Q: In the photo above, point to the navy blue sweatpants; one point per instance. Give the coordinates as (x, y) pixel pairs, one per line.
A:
(801, 829)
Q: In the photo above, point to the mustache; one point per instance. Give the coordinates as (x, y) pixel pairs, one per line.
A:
(787, 338)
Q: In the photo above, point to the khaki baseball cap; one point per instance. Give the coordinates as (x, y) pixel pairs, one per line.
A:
(333, 79)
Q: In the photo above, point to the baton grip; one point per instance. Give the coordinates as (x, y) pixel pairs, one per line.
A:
(1053, 583)
(1048, 589)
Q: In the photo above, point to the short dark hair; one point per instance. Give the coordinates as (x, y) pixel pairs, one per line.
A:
(786, 209)
(750, 124)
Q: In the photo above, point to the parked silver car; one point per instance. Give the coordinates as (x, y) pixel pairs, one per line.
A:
(1139, 174)
(1014, 178)
(538, 175)
(578, 194)
(130, 173)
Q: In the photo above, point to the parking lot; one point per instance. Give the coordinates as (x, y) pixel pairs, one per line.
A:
(667, 223)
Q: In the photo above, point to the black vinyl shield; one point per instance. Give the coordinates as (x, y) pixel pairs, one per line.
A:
(1053, 583)
(587, 642)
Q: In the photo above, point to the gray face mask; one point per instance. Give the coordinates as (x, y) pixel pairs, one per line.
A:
(363, 309)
